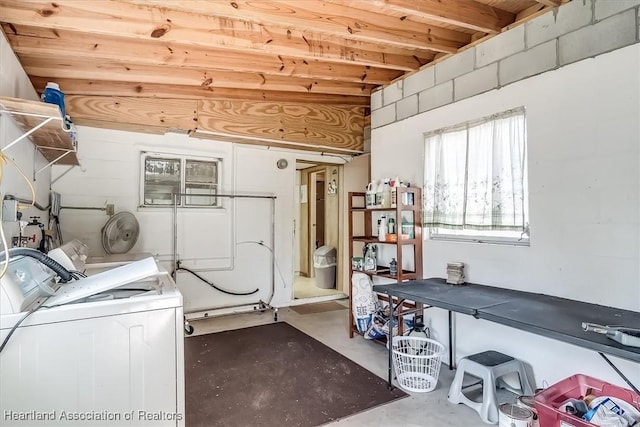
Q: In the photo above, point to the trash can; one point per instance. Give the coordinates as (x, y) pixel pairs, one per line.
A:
(324, 262)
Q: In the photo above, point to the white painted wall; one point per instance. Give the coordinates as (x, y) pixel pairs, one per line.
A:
(15, 83)
(296, 218)
(220, 239)
(356, 177)
(583, 123)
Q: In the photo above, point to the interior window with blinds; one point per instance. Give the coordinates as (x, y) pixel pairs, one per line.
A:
(475, 185)
(166, 175)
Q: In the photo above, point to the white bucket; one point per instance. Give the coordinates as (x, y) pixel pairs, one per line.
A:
(510, 415)
(529, 403)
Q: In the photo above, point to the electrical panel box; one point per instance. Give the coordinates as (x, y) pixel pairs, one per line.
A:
(9, 210)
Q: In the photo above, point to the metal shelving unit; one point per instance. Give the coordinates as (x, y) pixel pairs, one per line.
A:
(43, 124)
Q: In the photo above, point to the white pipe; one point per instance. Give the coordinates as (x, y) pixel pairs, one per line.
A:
(274, 141)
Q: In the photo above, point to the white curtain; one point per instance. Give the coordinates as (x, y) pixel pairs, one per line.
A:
(475, 175)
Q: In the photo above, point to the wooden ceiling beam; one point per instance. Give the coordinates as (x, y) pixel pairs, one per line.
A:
(151, 90)
(311, 125)
(533, 10)
(129, 127)
(550, 3)
(48, 43)
(468, 14)
(308, 124)
(331, 19)
(143, 22)
(170, 113)
(70, 68)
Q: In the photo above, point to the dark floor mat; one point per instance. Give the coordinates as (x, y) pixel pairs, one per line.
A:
(317, 307)
(274, 375)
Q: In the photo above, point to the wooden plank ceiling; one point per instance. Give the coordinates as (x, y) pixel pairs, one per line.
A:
(291, 73)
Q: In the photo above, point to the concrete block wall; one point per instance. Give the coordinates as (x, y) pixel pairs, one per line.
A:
(575, 31)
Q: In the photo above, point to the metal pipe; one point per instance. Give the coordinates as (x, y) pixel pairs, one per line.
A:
(260, 306)
(273, 250)
(174, 245)
(450, 343)
(26, 202)
(249, 304)
(84, 208)
(235, 196)
(390, 344)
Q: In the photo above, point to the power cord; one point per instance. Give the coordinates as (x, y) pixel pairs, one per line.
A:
(224, 291)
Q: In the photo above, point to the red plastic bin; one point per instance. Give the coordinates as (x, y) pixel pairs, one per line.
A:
(577, 386)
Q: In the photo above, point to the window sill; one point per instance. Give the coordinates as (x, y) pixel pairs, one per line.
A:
(505, 241)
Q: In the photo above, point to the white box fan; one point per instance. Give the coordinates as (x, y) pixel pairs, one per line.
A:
(120, 233)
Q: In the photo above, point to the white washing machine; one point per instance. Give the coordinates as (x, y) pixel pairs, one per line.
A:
(74, 255)
(105, 350)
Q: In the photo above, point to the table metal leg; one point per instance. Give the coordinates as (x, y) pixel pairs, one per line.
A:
(450, 343)
(615, 368)
(389, 344)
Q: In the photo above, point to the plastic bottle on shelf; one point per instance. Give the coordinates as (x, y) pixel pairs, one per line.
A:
(53, 95)
(382, 229)
(407, 229)
(379, 194)
(370, 197)
(407, 197)
(395, 183)
(71, 129)
(386, 195)
(370, 261)
(391, 225)
(393, 267)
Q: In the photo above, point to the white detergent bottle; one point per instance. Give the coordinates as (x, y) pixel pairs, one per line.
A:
(379, 191)
(370, 197)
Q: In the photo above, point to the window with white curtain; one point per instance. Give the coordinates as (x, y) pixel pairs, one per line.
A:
(475, 185)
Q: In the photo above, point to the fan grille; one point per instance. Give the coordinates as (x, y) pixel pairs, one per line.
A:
(120, 233)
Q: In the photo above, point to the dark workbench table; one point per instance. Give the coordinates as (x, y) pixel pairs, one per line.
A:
(562, 318)
(466, 299)
(545, 315)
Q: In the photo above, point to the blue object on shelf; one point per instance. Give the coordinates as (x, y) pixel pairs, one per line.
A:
(53, 95)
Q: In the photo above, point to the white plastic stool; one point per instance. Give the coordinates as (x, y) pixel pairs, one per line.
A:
(489, 366)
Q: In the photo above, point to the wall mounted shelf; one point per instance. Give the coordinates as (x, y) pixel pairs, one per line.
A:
(42, 123)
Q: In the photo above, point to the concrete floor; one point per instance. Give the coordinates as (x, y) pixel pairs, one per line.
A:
(305, 287)
(419, 409)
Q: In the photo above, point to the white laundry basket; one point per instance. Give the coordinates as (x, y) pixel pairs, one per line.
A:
(416, 361)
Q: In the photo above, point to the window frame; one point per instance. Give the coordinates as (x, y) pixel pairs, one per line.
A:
(183, 159)
(469, 235)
